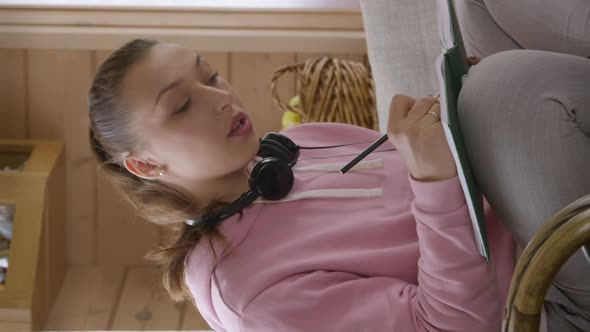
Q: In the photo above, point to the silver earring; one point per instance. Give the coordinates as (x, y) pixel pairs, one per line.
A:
(161, 172)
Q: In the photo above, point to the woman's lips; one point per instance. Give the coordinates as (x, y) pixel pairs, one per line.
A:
(243, 122)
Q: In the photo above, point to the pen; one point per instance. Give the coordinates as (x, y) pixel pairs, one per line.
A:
(363, 154)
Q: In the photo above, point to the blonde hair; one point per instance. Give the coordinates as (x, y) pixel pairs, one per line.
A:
(111, 138)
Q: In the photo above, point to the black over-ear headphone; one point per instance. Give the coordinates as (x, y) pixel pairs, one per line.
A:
(271, 178)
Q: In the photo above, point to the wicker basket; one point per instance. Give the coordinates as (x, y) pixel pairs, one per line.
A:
(331, 90)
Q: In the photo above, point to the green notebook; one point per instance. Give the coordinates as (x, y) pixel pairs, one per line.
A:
(452, 67)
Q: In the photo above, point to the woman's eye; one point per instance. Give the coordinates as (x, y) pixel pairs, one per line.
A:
(213, 79)
(184, 107)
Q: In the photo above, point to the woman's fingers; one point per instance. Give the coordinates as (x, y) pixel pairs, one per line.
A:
(421, 108)
(417, 133)
(432, 116)
(398, 110)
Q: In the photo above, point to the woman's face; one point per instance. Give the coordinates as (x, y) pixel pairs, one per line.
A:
(182, 111)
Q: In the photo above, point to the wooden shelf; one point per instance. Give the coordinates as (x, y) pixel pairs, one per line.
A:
(37, 250)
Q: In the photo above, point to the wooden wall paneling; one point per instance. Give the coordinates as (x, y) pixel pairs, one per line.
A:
(302, 57)
(58, 83)
(144, 304)
(122, 236)
(359, 57)
(192, 319)
(55, 246)
(13, 104)
(250, 75)
(264, 27)
(15, 327)
(87, 299)
(219, 61)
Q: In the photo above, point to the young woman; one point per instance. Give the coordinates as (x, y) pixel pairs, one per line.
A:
(387, 246)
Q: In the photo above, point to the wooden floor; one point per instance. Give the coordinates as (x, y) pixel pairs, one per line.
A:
(119, 298)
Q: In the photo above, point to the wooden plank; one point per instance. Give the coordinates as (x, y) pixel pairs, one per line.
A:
(117, 222)
(144, 304)
(277, 26)
(123, 237)
(55, 228)
(359, 57)
(192, 319)
(57, 98)
(222, 40)
(15, 327)
(41, 299)
(13, 106)
(299, 5)
(87, 299)
(302, 57)
(250, 75)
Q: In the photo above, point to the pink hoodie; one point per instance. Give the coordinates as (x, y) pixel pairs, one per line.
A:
(370, 250)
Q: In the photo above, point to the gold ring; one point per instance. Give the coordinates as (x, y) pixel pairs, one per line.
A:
(433, 114)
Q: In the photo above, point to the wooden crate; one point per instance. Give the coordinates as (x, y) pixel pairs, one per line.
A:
(37, 253)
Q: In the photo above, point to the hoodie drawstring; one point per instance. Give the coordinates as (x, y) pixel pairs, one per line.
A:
(333, 193)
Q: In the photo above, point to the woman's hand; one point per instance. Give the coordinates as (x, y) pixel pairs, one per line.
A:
(418, 135)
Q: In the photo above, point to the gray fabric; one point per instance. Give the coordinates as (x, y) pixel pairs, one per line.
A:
(525, 118)
(539, 181)
(481, 34)
(492, 26)
(402, 45)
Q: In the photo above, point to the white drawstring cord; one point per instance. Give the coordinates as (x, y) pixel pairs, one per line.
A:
(328, 193)
(335, 167)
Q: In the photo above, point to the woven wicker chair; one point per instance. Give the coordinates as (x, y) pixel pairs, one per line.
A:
(540, 261)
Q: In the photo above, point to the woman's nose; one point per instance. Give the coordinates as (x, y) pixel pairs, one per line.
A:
(225, 107)
(224, 102)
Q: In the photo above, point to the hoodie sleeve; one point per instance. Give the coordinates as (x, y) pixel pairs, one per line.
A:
(456, 288)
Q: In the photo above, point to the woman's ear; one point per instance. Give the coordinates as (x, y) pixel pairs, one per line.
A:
(142, 168)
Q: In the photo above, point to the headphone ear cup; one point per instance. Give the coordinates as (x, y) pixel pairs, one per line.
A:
(286, 149)
(269, 148)
(272, 179)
